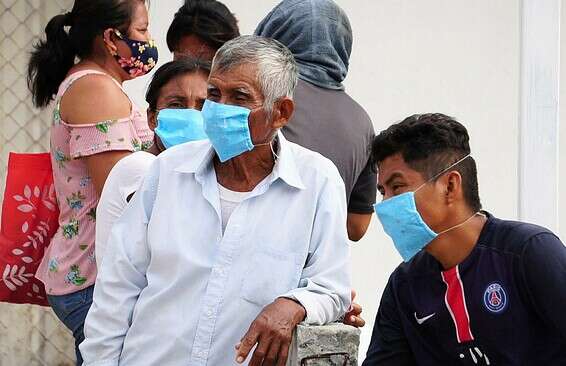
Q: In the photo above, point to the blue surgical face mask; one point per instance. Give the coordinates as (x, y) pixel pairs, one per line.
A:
(177, 126)
(227, 129)
(403, 223)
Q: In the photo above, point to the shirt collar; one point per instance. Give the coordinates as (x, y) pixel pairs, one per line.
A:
(285, 165)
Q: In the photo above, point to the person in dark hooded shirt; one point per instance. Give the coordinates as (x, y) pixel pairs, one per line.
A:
(326, 118)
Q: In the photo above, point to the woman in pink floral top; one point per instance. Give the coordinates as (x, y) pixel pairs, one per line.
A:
(95, 124)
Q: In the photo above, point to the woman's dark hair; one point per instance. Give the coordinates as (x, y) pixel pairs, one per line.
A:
(52, 58)
(169, 71)
(428, 144)
(209, 20)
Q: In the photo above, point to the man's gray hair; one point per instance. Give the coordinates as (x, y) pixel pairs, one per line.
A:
(277, 68)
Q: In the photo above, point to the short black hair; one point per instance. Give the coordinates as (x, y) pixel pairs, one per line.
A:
(428, 144)
(209, 20)
(169, 71)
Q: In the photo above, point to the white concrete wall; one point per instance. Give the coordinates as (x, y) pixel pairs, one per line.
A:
(562, 128)
(458, 57)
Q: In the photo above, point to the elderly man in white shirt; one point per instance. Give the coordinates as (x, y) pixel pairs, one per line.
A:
(231, 242)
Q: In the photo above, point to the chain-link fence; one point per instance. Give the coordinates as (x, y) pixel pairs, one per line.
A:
(29, 335)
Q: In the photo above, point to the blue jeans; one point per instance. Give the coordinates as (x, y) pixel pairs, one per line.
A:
(71, 309)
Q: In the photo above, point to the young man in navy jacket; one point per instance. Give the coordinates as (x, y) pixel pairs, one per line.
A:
(473, 289)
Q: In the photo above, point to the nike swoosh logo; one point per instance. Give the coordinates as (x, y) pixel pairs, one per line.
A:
(422, 320)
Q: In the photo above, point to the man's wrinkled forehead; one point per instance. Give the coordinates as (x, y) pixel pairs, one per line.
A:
(242, 75)
(218, 66)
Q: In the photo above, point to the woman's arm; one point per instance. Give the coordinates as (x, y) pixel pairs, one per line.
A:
(95, 99)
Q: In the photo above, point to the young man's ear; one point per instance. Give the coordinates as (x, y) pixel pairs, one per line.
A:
(282, 111)
(151, 118)
(453, 187)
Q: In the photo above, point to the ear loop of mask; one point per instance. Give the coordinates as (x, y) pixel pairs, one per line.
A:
(462, 224)
(275, 156)
(438, 175)
(442, 172)
(119, 35)
(270, 143)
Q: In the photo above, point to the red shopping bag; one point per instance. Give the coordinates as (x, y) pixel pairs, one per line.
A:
(29, 221)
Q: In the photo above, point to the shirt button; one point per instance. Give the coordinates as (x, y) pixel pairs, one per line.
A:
(210, 313)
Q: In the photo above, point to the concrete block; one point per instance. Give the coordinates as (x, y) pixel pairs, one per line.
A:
(329, 345)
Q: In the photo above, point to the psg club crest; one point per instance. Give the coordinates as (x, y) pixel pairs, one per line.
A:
(495, 298)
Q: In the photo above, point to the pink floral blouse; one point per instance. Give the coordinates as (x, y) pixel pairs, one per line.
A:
(69, 263)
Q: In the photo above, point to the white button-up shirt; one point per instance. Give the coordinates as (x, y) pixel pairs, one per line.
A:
(173, 290)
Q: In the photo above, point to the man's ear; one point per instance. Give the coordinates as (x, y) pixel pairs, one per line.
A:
(109, 38)
(282, 111)
(454, 191)
(151, 118)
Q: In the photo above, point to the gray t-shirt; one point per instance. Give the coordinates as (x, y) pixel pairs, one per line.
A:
(331, 123)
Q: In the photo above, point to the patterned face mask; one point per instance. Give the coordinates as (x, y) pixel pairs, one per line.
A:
(144, 56)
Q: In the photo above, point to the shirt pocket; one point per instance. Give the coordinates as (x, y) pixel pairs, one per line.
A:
(270, 274)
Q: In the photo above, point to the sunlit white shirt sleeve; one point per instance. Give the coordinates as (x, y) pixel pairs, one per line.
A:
(119, 281)
(324, 288)
(124, 179)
